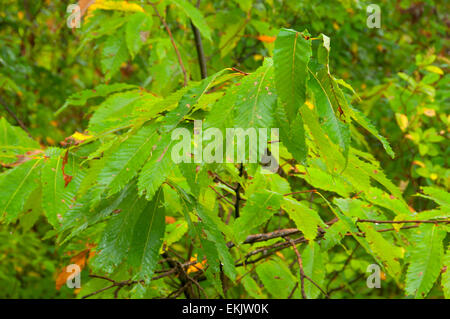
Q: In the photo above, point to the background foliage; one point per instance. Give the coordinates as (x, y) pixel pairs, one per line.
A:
(86, 116)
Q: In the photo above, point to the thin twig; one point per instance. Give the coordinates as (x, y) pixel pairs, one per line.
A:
(302, 273)
(195, 282)
(293, 290)
(300, 265)
(221, 196)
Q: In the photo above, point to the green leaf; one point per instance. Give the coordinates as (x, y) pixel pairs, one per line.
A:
(258, 209)
(338, 132)
(439, 195)
(305, 218)
(53, 185)
(189, 99)
(425, 259)
(148, 235)
(386, 252)
(328, 151)
(113, 55)
(116, 238)
(124, 163)
(361, 119)
(291, 56)
(137, 30)
(314, 267)
(175, 232)
(212, 225)
(250, 285)
(102, 90)
(277, 279)
(17, 185)
(14, 141)
(292, 135)
(117, 111)
(155, 172)
(256, 99)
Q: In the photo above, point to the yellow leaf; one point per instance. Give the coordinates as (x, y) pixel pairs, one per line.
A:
(434, 69)
(80, 260)
(77, 136)
(419, 163)
(113, 5)
(429, 112)
(279, 254)
(402, 121)
(197, 266)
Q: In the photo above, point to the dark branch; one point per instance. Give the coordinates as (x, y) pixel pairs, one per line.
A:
(199, 46)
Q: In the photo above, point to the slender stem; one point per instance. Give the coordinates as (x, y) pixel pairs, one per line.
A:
(293, 290)
(300, 265)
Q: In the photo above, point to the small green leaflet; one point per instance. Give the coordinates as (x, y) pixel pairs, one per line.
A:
(338, 132)
(102, 90)
(52, 180)
(305, 218)
(439, 195)
(148, 235)
(115, 111)
(361, 119)
(314, 268)
(17, 185)
(256, 99)
(157, 169)
(113, 55)
(425, 259)
(14, 141)
(188, 101)
(116, 238)
(136, 32)
(277, 279)
(211, 225)
(291, 56)
(124, 163)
